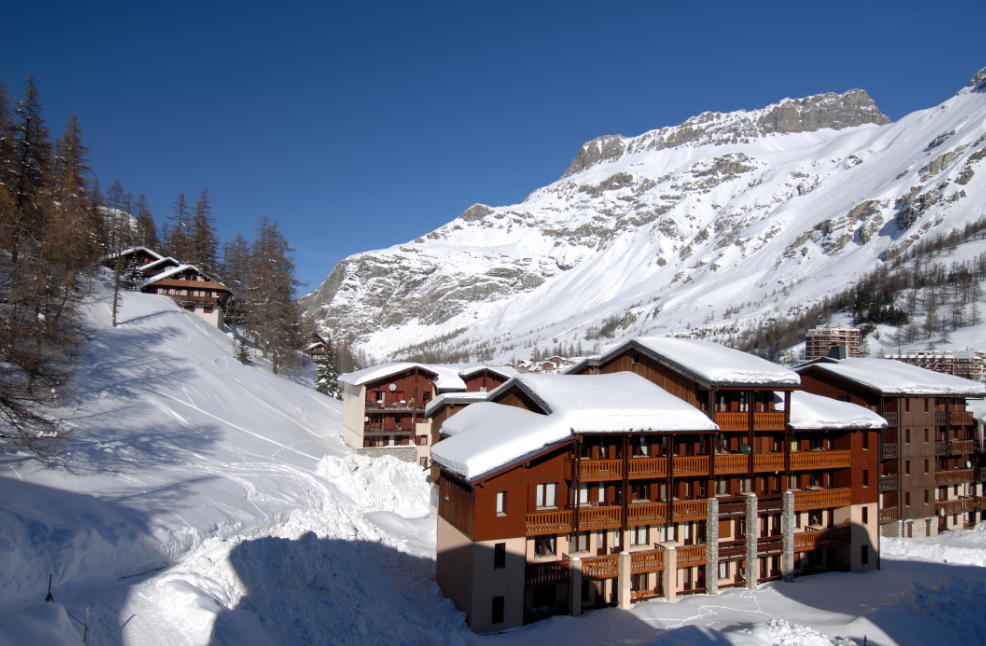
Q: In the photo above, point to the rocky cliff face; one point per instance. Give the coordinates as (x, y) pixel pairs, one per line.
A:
(747, 212)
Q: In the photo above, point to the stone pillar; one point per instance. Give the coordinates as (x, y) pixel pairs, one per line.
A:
(712, 548)
(669, 575)
(575, 586)
(752, 564)
(787, 528)
(623, 594)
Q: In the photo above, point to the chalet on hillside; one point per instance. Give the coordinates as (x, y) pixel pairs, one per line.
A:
(316, 348)
(193, 290)
(142, 256)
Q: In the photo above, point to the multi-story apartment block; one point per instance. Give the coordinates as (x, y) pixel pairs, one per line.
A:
(384, 407)
(967, 364)
(820, 340)
(931, 476)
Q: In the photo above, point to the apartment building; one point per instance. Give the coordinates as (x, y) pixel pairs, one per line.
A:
(819, 342)
(967, 364)
(931, 457)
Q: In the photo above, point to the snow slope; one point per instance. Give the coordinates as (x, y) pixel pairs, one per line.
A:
(717, 222)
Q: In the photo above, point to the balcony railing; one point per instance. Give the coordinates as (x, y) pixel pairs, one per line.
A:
(941, 448)
(690, 510)
(770, 421)
(891, 418)
(962, 447)
(954, 477)
(768, 462)
(691, 555)
(820, 459)
(596, 470)
(979, 475)
(600, 518)
(600, 567)
(653, 514)
(961, 417)
(733, 421)
(649, 561)
(941, 418)
(960, 506)
(823, 499)
(546, 573)
(387, 429)
(889, 451)
(549, 522)
(648, 468)
(696, 465)
(393, 406)
(888, 482)
(826, 538)
(888, 515)
(732, 463)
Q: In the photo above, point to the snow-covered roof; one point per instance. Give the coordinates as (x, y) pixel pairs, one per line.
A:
(454, 398)
(176, 270)
(487, 436)
(809, 411)
(375, 373)
(503, 371)
(889, 377)
(131, 250)
(715, 364)
(159, 261)
(449, 377)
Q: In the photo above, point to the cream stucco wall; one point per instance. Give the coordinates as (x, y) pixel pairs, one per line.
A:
(213, 318)
(353, 412)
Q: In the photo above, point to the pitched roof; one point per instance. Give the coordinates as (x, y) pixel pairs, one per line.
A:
(810, 412)
(177, 270)
(889, 377)
(454, 398)
(131, 250)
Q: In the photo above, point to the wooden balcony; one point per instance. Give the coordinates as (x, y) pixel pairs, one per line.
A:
(600, 518)
(941, 448)
(771, 421)
(941, 418)
(393, 407)
(732, 463)
(768, 421)
(649, 561)
(822, 499)
(820, 459)
(960, 506)
(690, 510)
(647, 514)
(806, 541)
(600, 567)
(691, 555)
(954, 477)
(891, 418)
(648, 468)
(549, 522)
(979, 475)
(695, 465)
(546, 573)
(888, 482)
(768, 462)
(888, 515)
(388, 429)
(597, 470)
(889, 451)
(962, 417)
(961, 447)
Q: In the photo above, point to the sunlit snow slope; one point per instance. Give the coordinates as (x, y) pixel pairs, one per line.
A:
(669, 230)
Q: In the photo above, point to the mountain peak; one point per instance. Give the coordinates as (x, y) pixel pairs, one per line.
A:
(830, 110)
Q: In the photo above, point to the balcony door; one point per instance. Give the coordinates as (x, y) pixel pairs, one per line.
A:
(601, 543)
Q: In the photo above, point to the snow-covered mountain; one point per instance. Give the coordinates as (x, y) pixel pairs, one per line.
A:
(740, 216)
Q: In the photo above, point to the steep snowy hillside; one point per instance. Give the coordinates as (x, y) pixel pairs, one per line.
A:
(737, 216)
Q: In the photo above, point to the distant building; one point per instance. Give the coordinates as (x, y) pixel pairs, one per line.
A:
(188, 286)
(316, 347)
(141, 256)
(819, 341)
(967, 364)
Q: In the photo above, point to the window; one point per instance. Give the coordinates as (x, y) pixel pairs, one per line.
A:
(907, 436)
(499, 556)
(544, 546)
(497, 610)
(866, 477)
(638, 535)
(907, 498)
(400, 395)
(583, 493)
(864, 555)
(926, 466)
(926, 496)
(866, 441)
(582, 544)
(501, 503)
(640, 491)
(723, 569)
(925, 436)
(546, 494)
(926, 402)
(866, 515)
(907, 467)
(907, 405)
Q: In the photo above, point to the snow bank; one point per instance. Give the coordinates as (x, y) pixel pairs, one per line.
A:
(776, 632)
(954, 608)
(960, 546)
(42, 623)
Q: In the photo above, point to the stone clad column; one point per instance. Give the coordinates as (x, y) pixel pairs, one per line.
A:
(787, 528)
(575, 586)
(712, 547)
(623, 593)
(752, 564)
(669, 574)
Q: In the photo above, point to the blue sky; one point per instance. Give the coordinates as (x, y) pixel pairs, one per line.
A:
(363, 125)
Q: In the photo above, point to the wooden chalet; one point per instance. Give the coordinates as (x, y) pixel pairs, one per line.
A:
(193, 290)
(156, 267)
(316, 348)
(140, 255)
(930, 460)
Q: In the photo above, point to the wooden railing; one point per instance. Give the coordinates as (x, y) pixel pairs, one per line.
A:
(960, 506)
(888, 515)
(696, 465)
(648, 468)
(768, 421)
(954, 477)
(691, 555)
(732, 549)
(826, 538)
(546, 573)
(768, 462)
(733, 421)
(941, 448)
(596, 470)
(820, 459)
(888, 482)
(941, 418)
(649, 561)
(600, 518)
(549, 522)
(889, 451)
(807, 500)
(690, 510)
(960, 417)
(654, 514)
(387, 429)
(732, 463)
(600, 567)
(962, 447)
(979, 474)
(891, 419)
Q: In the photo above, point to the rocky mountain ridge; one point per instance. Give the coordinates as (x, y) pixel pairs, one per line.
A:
(673, 229)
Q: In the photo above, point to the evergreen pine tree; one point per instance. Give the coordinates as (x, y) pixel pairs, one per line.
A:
(327, 379)
(203, 242)
(146, 230)
(242, 354)
(177, 241)
(234, 274)
(30, 171)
